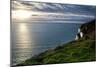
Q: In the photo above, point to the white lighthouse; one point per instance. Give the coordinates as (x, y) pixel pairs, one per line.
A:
(79, 35)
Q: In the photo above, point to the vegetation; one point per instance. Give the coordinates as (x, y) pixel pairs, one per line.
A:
(81, 50)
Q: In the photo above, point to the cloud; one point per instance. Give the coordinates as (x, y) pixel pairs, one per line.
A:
(55, 12)
(16, 5)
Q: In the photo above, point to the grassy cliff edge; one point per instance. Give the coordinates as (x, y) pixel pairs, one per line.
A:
(81, 50)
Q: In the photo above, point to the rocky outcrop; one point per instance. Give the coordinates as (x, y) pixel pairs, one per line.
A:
(86, 30)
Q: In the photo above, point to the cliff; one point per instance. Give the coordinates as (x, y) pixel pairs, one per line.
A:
(87, 30)
(81, 50)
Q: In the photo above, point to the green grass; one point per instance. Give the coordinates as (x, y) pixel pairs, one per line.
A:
(77, 51)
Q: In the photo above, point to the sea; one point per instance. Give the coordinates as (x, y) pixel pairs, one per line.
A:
(31, 38)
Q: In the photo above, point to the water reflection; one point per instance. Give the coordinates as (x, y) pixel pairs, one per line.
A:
(29, 39)
(24, 42)
(23, 35)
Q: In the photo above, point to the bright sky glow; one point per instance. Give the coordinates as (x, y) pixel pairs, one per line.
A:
(21, 14)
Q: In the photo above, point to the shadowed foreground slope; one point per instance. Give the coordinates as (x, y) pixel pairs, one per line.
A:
(80, 50)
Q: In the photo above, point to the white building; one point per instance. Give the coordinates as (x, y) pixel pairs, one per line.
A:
(79, 35)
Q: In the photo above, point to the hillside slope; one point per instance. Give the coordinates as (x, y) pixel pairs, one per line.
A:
(81, 50)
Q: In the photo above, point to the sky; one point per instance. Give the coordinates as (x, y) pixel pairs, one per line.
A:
(39, 11)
